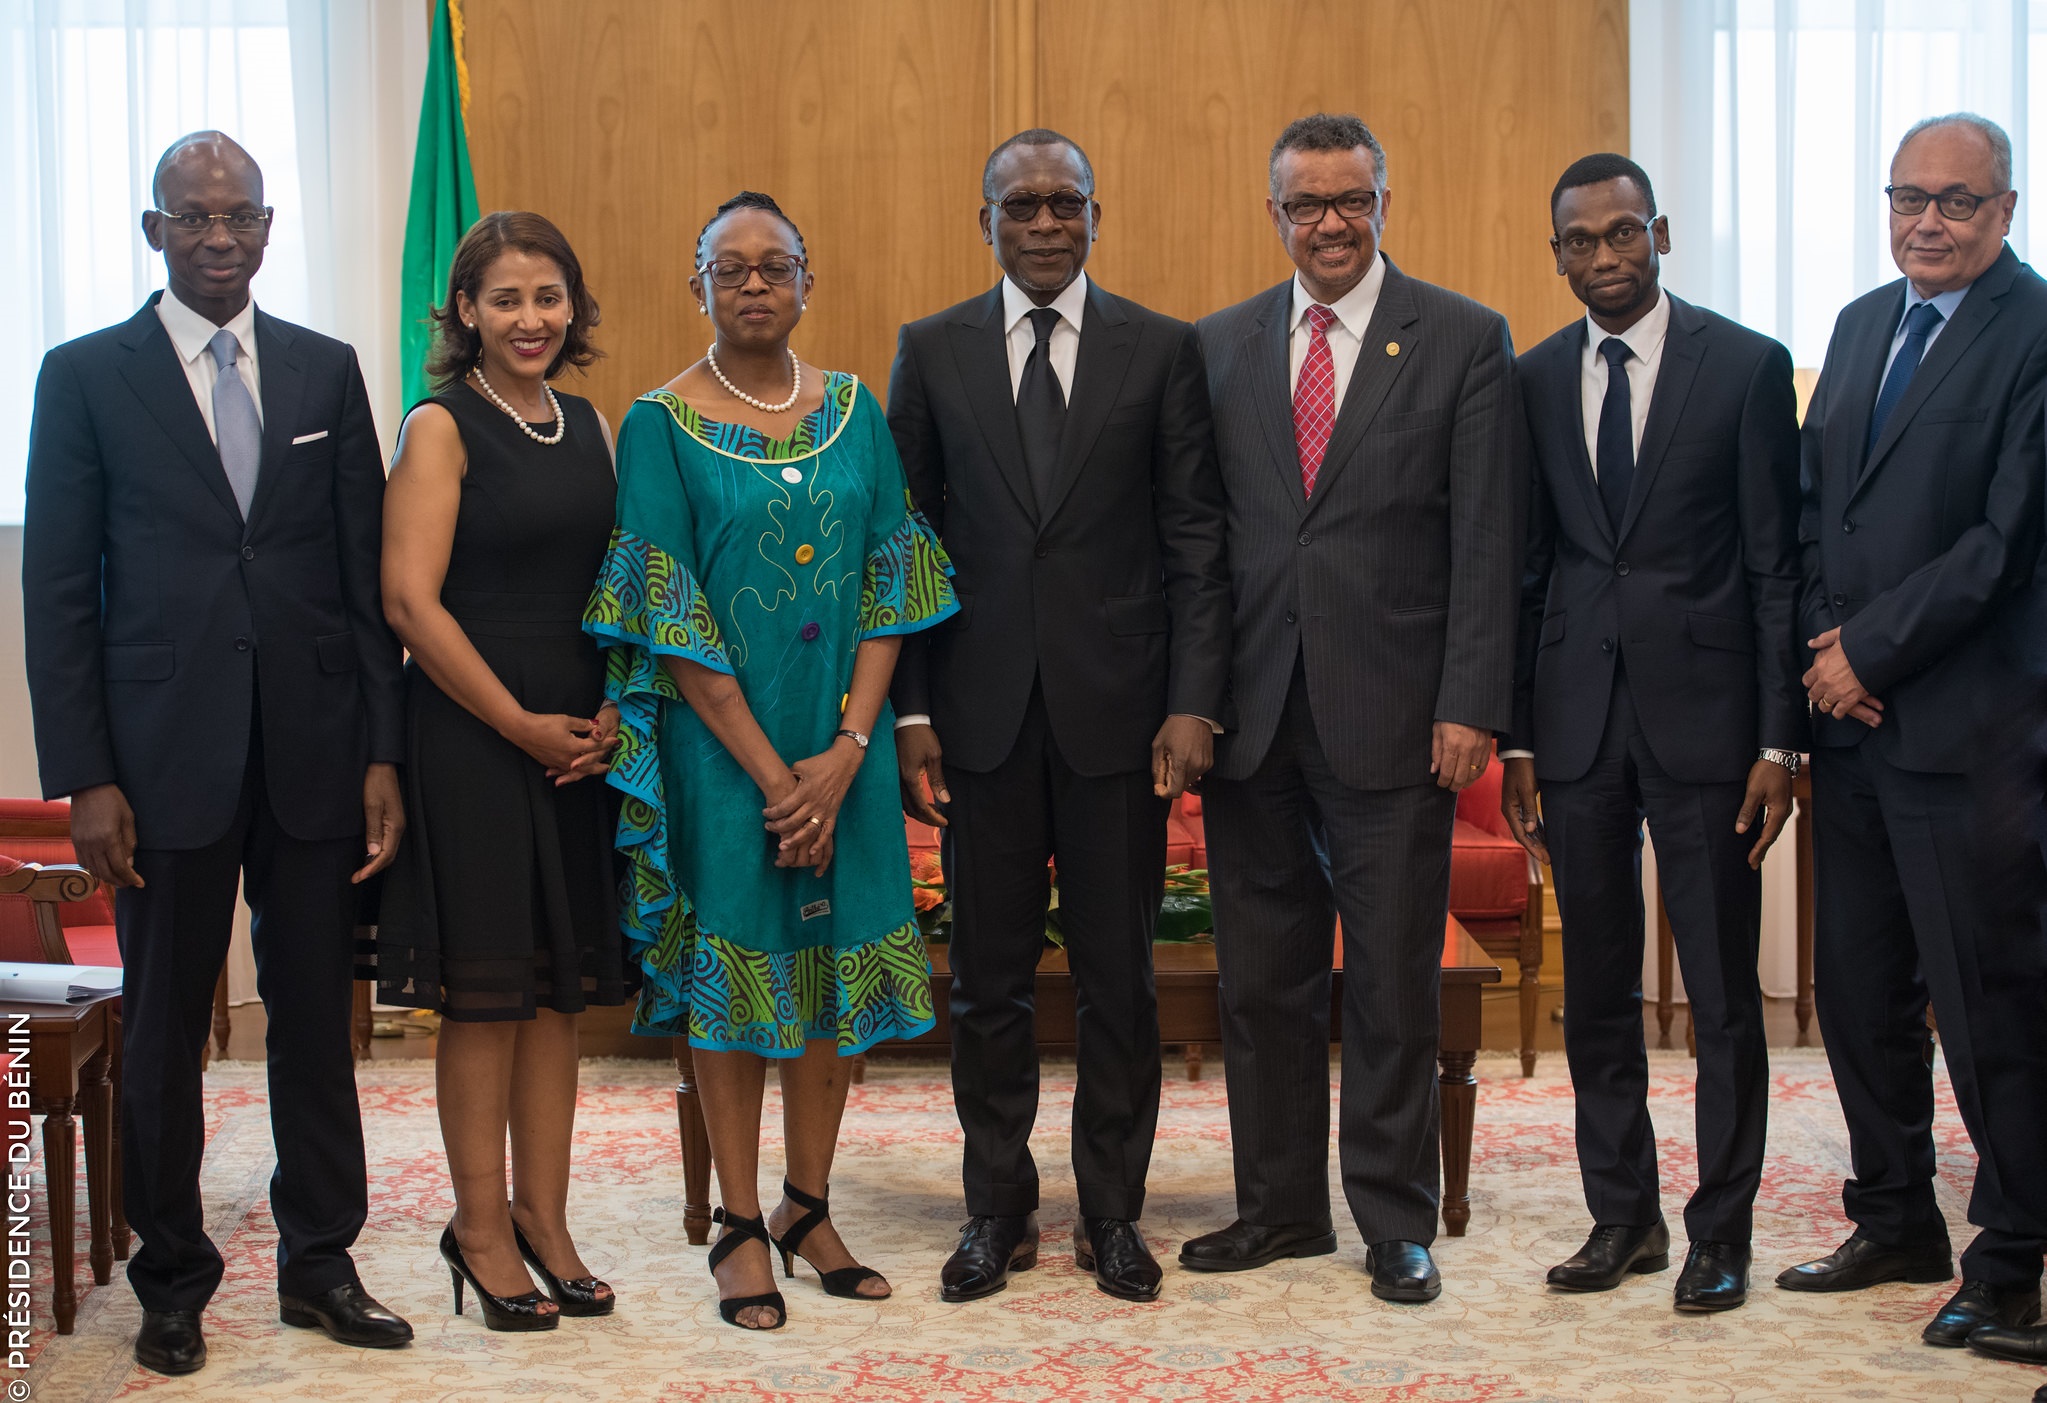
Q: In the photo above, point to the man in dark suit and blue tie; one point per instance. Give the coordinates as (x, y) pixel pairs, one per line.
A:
(1057, 437)
(1921, 528)
(1657, 678)
(216, 691)
(1365, 423)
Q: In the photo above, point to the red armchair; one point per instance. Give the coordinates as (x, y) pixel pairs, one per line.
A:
(1496, 893)
(39, 832)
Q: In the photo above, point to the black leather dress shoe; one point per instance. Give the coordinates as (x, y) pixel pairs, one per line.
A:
(349, 1315)
(2021, 1346)
(1977, 1304)
(1612, 1252)
(990, 1249)
(1715, 1277)
(1114, 1251)
(170, 1342)
(1859, 1263)
(1242, 1246)
(1403, 1271)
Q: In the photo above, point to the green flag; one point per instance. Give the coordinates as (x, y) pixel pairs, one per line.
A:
(443, 197)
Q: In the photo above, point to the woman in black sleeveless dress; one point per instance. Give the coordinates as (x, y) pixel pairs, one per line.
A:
(500, 911)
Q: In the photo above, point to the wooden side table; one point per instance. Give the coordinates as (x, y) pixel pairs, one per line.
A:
(74, 1067)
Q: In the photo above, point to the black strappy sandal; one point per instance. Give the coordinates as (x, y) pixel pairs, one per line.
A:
(738, 1231)
(843, 1281)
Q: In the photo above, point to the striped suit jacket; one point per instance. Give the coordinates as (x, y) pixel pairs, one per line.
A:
(1395, 584)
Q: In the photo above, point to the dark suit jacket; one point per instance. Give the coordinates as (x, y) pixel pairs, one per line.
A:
(1919, 552)
(155, 613)
(1115, 598)
(1395, 583)
(1700, 587)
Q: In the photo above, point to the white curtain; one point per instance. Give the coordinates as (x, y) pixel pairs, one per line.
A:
(323, 93)
(1767, 127)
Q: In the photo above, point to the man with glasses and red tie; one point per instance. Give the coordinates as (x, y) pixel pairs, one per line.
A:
(1365, 422)
(1057, 438)
(1921, 529)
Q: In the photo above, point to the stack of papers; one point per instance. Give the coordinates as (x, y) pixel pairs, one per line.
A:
(58, 984)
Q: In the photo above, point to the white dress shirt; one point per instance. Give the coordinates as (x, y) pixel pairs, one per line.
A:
(190, 334)
(1645, 340)
(1346, 334)
(1020, 336)
(1945, 304)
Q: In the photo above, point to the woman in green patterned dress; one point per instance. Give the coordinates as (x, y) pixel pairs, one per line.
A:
(763, 570)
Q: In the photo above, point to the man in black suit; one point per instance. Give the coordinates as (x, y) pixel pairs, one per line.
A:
(1657, 678)
(1921, 527)
(1057, 437)
(1365, 423)
(215, 689)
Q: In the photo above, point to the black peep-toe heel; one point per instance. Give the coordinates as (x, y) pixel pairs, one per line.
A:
(499, 1312)
(738, 1231)
(576, 1295)
(842, 1281)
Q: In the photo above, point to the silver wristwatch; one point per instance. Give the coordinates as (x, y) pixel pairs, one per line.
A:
(853, 736)
(1787, 758)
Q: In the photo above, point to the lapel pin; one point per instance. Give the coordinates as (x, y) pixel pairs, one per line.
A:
(1392, 348)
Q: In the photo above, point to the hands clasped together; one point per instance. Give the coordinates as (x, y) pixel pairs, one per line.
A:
(803, 806)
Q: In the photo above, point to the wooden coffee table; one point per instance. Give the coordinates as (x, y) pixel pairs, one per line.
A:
(1190, 1016)
(74, 1056)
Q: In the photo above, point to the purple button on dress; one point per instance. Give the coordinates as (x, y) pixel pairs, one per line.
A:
(810, 632)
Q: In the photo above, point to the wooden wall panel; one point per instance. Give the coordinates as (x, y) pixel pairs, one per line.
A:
(626, 121)
(1480, 106)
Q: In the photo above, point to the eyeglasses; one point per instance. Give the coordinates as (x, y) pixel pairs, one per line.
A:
(1621, 238)
(730, 273)
(1023, 205)
(1958, 205)
(1352, 204)
(242, 221)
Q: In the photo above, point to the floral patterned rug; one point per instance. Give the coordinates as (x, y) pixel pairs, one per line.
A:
(1298, 1331)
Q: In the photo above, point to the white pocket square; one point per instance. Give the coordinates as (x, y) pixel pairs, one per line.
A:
(308, 438)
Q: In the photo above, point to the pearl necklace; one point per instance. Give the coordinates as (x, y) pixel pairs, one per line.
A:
(795, 384)
(560, 424)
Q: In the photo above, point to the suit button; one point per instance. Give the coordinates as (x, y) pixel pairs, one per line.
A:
(1304, 538)
(1606, 645)
(1289, 617)
(248, 552)
(1848, 525)
(1043, 551)
(1840, 601)
(1620, 567)
(241, 645)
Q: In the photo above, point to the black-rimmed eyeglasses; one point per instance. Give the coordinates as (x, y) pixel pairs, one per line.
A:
(241, 221)
(1351, 204)
(1023, 205)
(729, 273)
(1958, 205)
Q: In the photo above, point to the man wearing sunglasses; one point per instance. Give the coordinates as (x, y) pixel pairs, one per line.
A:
(1921, 530)
(1057, 437)
(1364, 422)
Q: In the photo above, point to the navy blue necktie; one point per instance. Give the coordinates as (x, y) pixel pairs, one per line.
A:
(1616, 464)
(1041, 407)
(1919, 324)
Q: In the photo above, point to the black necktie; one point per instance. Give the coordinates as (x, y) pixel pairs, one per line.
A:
(1041, 408)
(1919, 324)
(1616, 465)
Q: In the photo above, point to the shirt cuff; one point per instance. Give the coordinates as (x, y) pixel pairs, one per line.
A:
(1212, 726)
(1517, 755)
(914, 719)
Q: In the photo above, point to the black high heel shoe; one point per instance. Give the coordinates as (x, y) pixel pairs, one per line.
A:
(739, 1230)
(576, 1295)
(499, 1312)
(842, 1281)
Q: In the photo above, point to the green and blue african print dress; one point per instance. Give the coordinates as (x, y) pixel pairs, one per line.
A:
(770, 560)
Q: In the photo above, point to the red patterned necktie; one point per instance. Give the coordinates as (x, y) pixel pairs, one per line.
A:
(1315, 397)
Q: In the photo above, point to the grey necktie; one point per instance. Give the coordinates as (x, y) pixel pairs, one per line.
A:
(236, 430)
